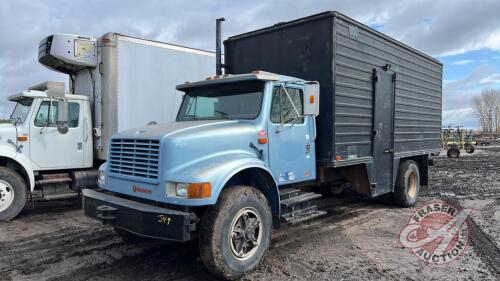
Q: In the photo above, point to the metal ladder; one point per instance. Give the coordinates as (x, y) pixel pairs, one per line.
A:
(296, 206)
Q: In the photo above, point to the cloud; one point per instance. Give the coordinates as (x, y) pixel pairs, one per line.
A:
(438, 28)
(462, 62)
(460, 117)
(495, 78)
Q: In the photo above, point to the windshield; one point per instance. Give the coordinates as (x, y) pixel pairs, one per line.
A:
(21, 110)
(240, 100)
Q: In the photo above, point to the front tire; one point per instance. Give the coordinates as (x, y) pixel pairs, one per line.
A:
(236, 232)
(13, 194)
(453, 152)
(407, 184)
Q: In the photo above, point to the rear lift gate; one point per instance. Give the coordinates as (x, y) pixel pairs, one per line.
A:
(139, 218)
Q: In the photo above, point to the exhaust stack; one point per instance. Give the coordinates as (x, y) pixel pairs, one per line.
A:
(218, 46)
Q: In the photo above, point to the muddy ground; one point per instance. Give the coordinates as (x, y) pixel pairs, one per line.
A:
(358, 239)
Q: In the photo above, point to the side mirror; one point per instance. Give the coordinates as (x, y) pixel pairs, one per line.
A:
(62, 117)
(311, 98)
(62, 112)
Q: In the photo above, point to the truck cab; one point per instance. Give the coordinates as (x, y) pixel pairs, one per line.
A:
(33, 142)
(239, 135)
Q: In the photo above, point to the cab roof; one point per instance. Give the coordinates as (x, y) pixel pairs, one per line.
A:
(229, 78)
(41, 94)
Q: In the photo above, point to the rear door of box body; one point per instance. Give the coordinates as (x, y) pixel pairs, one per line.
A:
(383, 130)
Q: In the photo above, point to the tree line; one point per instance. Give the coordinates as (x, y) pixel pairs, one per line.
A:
(487, 109)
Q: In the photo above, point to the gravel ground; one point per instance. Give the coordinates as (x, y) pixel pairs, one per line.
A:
(357, 240)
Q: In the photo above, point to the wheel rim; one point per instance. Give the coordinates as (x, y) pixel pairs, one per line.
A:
(412, 184)
(245, 234)
(6, 195)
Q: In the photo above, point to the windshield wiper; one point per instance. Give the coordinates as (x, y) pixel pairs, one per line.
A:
(223, 114)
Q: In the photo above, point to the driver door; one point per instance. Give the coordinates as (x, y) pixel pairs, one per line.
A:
(289, 137)
(50, 149)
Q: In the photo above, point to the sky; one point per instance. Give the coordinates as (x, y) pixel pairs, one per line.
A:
(463, 34)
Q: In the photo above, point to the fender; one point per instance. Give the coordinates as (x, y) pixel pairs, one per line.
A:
(217, 169)
(22, 160)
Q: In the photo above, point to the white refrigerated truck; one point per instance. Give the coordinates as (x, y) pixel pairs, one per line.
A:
(56, 141)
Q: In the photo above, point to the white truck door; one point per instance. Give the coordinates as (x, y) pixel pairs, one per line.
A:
(48, 148)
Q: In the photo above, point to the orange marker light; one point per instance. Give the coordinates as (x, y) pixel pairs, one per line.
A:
(22, 138)
(338, 158)
(311, 99)
(199, 190)
(262, 137)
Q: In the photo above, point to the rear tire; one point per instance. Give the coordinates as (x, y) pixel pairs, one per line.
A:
(407, 184)
(235, 233)
(453, 152)
(13, 194)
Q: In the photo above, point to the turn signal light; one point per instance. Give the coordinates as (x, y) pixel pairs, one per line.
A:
(262, 137)
(199, 190)
(22, 138)
(338, 158)
(311, 99)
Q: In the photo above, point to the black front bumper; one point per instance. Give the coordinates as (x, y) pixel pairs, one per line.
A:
(139, 218)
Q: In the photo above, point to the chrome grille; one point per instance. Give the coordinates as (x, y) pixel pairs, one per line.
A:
(135, 157)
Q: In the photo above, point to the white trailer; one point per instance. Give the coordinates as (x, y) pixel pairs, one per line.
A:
(56, 141)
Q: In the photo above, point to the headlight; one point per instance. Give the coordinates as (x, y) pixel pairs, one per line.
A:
(101, 177)
(181, 189)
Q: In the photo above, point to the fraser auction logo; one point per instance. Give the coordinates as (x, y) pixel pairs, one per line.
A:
(437, 233)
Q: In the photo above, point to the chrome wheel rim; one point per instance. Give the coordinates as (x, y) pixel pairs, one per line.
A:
(245, 234)
(6, 195)
(412, 184)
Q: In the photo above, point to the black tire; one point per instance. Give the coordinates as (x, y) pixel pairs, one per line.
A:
(453, 152)
(218, 247)
(128, 237)
(407, 184)
(469, 148)
(14, 193)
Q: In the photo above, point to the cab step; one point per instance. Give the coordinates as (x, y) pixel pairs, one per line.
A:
(296, 206)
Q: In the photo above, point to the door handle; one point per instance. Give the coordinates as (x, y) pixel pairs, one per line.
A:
(388, 150)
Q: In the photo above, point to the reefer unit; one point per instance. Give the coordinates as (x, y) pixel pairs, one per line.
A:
(377, 95)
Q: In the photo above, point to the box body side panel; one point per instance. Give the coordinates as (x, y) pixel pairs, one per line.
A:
(138, 84)
(418, 92)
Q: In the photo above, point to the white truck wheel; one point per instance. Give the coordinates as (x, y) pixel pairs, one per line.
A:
(13, 194)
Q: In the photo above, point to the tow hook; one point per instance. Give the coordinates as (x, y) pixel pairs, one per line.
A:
(106, 213)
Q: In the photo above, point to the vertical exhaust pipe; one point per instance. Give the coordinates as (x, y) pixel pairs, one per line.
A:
(218, 45)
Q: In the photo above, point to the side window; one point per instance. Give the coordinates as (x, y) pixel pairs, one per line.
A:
(43, 119)
(73, 114)
(282, 109)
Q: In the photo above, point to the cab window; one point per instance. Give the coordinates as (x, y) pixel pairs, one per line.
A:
(43, 119)
(282, 110)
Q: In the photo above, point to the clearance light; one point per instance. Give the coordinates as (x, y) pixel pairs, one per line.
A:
(262, 137)
(338, 158)
(311, 99)
(22, 138)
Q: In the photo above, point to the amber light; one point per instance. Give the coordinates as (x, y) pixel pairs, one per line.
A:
(311, 99)
(22, 138)
(262, 137)
(338, 158)
(199, 190)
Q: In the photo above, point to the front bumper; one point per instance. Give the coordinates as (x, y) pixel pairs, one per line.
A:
(139, 218)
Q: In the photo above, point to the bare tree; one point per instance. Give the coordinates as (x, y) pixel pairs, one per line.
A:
(487, 108)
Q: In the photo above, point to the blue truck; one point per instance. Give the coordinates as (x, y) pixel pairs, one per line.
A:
(253, 149)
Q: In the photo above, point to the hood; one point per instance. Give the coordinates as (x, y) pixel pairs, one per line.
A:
(166, 130)
(7, 131)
